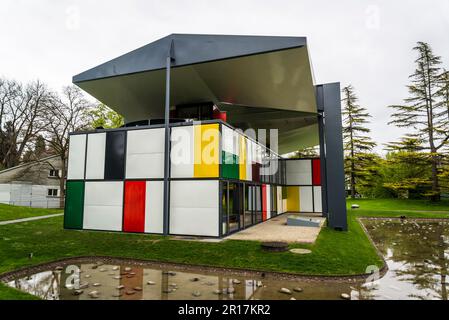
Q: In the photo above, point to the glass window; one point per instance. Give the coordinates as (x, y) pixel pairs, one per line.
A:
(235, 206)
(258, 206)
(224, 207)
(248, 205)
(52, 192)
(274, 201)
(53, 173)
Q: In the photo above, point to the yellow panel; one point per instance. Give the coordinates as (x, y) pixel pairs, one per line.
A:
(242, 158)
(206, 151)
(292, 198)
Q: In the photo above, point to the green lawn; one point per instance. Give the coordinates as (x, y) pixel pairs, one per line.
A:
(395, 207)
(334, 253)
(8, 212)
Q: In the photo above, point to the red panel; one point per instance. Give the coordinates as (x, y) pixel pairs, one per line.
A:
(264, 202)
(222, 115)
(134, 208)
(316, 169)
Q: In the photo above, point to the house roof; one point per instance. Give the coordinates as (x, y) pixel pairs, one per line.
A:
(266, 80)
(27, 164)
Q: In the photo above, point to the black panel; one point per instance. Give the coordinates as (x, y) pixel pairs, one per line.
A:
(114, 168)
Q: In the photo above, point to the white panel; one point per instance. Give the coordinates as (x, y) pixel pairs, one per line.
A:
(268, 197)
(141, 166)
(107, 218)
(280, 203)
(317, 199)
(103, 206)
(228, 140)
(96, 149)
(103, 193)
(249, 157)
(259, 150)
(145, 154)
(145, 141)
(299, 172)
(77, 153)
(194, 193)
(236, 143)
(154, 205)
(182, 154)
(305, 199)
(194, 221)
(194, 208)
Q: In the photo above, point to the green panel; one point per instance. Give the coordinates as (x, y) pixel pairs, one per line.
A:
(74, 205)
(230, 165)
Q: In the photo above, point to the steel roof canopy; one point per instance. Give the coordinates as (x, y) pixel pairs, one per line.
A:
(258, 72)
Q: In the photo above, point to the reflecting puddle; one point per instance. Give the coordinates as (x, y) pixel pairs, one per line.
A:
(416, 253)
(130, 282)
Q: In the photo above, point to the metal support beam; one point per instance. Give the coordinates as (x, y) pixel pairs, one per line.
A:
(166, 219)
(323, 163)
(331, 148)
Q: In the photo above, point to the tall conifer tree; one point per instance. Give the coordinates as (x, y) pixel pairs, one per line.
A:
(423, 111)
(357, 143)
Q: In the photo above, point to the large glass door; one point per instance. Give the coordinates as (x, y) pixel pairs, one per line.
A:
(258, 204)
(235, 206)
(274, 201)
(224, 208)
(249, 205)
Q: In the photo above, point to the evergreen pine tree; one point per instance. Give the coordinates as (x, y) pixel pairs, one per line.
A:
(422, 112)
(357, 143)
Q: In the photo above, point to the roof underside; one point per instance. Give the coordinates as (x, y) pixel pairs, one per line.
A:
(262, 82)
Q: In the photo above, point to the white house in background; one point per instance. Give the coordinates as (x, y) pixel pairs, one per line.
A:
(34, 184)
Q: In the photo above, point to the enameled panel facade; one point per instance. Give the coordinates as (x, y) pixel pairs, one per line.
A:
(119, 186)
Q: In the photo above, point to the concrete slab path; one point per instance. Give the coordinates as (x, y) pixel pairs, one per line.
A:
(276, 229)
(30, 219)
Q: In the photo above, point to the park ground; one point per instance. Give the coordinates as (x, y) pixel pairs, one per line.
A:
(8, 212)
(334, 252)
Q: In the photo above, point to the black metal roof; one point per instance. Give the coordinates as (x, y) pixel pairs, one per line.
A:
(263, 82)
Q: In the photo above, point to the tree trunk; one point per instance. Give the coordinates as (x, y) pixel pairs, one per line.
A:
(352, 180)
(62, 182)
(352, 167)
(435, 183)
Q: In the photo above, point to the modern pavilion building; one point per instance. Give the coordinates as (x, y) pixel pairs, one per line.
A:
(189, 160)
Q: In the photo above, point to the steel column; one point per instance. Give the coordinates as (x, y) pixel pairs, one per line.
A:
(331, 142)
(166, 218)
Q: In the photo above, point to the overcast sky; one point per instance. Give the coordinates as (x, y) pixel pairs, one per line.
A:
(365, 43)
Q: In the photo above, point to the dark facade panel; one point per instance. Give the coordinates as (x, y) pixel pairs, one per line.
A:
(332, 144)
(115, 155)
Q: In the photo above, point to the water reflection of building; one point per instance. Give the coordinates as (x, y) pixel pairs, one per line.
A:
(154, 284)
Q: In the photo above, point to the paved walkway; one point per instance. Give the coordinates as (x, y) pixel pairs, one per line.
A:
(276, 229)
(30, 219)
